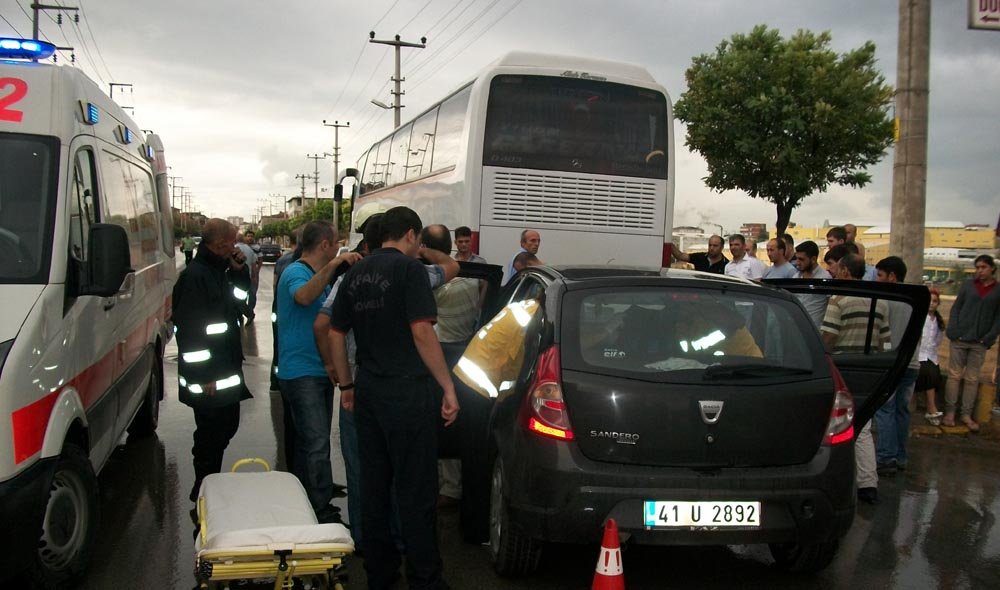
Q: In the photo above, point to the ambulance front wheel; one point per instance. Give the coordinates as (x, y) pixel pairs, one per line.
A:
(148, 417)
(69, 528)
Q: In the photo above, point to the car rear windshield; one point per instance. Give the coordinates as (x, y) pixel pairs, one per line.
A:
(28, 169)
(688, 333)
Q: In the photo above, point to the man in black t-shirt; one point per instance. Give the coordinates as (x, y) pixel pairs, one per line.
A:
(712, 261)
(386, 299)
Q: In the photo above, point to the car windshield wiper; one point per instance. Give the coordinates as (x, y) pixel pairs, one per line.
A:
(752, 370)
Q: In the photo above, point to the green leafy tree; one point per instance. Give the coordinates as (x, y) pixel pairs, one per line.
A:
(781, 119)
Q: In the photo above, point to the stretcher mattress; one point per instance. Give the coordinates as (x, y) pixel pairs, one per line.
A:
(258, 510)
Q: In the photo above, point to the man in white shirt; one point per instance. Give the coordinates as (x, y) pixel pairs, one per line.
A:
(742, 265)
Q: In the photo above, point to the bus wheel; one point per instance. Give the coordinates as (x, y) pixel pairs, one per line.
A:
(148, 417)
(69, 528)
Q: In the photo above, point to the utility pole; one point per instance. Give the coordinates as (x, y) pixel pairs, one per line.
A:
(336, 164)
(304, 177)
(909, 172)
(173, 189)
(36, 11)
(397, 78)
(337, 126)
(113, 85)
(316, 158)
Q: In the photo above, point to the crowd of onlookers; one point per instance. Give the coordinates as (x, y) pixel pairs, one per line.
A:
(972, 328)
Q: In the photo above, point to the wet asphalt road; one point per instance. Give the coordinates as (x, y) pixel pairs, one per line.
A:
(936, 526)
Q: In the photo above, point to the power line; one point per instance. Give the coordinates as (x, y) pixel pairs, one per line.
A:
(12, 27)
(368, 83)
(444, 16)
(409, 22)
(475, 38)
(350, 78)
(97, 48)
(40, 33)
(447, 44)
(375, 26)
(450, 23)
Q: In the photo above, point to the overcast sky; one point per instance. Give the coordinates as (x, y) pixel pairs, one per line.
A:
(238, 89)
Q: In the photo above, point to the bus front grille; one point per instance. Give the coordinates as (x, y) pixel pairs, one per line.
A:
(561, 198)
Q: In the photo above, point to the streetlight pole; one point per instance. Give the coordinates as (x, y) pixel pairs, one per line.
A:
(396, 93)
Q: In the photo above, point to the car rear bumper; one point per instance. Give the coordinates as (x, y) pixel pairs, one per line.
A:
(569, 499)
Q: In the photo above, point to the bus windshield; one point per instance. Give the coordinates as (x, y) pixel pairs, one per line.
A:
(576, 125)
(27, 191)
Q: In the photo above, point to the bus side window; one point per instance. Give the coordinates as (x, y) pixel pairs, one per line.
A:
(422, 145)
(400, 148)
(362, 188)
(448, 136)
(82, 214)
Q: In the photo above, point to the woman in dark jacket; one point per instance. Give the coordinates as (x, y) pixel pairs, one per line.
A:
(972, 329)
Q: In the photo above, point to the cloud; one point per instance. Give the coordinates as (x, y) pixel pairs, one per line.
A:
(238, 89)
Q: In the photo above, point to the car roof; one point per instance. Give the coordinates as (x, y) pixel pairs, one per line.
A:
(605, 276)
(586, 273)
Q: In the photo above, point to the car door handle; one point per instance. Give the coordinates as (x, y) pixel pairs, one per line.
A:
(110, 302)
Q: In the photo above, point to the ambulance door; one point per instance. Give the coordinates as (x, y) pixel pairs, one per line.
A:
(124, 185)
(89, 319)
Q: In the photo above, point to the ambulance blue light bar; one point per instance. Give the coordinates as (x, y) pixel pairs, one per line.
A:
(125, 135)
(25, 49)
(91, 115)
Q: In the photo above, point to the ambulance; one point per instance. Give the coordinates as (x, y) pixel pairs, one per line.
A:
(86, 271)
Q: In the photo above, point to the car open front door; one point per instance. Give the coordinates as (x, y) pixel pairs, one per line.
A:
(870, 370)
(466, 439)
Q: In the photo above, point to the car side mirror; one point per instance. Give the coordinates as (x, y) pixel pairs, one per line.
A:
(338, 193)
(108, 259)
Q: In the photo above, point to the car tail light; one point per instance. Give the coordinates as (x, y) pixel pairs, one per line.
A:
(840, 429)
(475, 242)
(667, 259)
(547, 413)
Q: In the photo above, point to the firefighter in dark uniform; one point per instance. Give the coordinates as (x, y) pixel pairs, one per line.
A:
(207, 302)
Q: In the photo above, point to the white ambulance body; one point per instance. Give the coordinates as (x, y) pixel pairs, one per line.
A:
(86, 272)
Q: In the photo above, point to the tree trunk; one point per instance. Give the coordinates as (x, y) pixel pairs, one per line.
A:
(784, 216)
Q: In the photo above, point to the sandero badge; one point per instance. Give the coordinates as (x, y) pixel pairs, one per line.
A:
(622, 438)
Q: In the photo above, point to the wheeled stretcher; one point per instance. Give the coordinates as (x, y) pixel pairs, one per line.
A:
(260, 525)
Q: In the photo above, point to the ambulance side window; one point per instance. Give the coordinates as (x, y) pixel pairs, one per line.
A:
(83, 204)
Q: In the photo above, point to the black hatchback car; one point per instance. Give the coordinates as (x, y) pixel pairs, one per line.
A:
(692, 408)
(270, 252)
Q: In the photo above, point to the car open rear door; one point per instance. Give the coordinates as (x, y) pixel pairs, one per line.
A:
(872, 373)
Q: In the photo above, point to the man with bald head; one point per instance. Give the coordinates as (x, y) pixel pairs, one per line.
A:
(712, 261)
(852, 238)
(207, 301)
(531, 241)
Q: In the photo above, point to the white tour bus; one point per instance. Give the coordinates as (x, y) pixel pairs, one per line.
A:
(578, 149)
(86, 272)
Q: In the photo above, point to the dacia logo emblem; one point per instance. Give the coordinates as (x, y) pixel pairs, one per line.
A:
(710, 411)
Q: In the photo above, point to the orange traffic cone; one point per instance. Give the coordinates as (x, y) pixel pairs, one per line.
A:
(609, 574)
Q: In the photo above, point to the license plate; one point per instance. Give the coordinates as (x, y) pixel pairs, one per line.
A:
(701, 514)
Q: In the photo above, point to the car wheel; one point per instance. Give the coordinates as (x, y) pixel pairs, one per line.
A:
(148, 417)
(69, 527)
(512, 553)
(805, 558)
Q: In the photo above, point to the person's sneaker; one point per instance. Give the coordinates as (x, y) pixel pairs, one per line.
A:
(868, 495)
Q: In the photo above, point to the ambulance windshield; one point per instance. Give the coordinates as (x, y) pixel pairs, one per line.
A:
(28, 178)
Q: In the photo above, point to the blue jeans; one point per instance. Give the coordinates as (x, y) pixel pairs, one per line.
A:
(310, 400)
(893, 422)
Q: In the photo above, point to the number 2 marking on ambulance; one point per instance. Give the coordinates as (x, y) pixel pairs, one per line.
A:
(15, 96)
